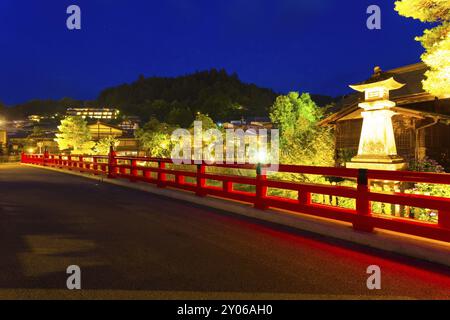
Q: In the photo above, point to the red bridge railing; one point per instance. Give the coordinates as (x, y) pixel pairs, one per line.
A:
(157, 171)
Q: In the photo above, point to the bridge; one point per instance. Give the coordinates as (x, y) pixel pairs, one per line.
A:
(131, 243)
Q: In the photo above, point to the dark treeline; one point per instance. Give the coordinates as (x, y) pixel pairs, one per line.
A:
(173, 100)
(44, 107)
(177, 100)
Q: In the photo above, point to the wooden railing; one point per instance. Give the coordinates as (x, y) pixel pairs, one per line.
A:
(193, 177)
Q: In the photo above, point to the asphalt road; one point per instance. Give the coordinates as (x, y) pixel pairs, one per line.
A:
(132, 244)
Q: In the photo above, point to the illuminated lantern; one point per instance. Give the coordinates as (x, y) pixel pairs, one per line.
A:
(377, 149)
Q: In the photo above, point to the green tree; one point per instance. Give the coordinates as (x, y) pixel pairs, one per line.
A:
(207, 122)
(74, 135)
(180, 116)
(436, 41)
(155, 138)
(302, 141)
(102, 147)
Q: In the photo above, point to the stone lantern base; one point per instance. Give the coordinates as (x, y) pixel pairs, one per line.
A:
(377, 162)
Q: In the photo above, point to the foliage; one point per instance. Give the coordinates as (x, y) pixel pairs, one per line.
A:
(180, 116)
(424, 10)
(102, 147)
(302, 140)
(438, 190)
(438, 77)
(425, 165)
(208, 141)
(175, 101)
(436, 41)
(344, 155)
(45, 107)
(207, 122)
(155, 138)
(216, 92)
(429, 165)
(74, 135)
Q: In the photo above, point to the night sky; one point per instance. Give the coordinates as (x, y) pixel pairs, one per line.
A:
(317, 46)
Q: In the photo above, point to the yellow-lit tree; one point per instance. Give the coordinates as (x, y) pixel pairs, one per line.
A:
(302, 140)
(436, 41)
(154, 138)
(102, 147)
(73, 135)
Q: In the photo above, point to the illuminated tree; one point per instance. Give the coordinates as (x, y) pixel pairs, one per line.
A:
(207, 122)
(74, 135)
(154, 138)
(102, 147)
(302, 141)
(436, 41)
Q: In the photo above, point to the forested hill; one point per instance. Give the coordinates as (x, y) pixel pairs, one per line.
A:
(216, 93)
(174, 100)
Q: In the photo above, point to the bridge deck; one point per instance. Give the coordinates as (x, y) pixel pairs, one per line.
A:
(133, 244)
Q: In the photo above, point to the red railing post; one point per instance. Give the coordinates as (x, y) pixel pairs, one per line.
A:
(261, 188)
(112, 163)
(45, 158)
(95, 165)
(87, 165)
(69, 161)
(80, 163)
(227, 186)
(147, 173)
(363, 210)
(22, 157)
(133, 170)
(444, 219)
(161, 175)
(201, 182)
(121, 169)
(304, 198)
(179, 179)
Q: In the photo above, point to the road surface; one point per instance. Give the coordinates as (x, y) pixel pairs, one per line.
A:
(132, 244)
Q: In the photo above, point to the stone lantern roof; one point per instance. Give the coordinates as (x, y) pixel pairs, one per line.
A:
(378, 79)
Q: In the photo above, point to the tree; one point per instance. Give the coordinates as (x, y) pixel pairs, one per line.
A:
(155, 138)
(436, 41)
(302, 141)
(102, 147)
(74, 135)
(180, 116)
(207, 122)
(215, 92)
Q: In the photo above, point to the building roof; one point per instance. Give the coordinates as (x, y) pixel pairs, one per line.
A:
(98, 124)
(410, 96)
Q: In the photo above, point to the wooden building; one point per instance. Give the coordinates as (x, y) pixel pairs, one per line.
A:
(101, 130)
(421, 123)
(128, 145)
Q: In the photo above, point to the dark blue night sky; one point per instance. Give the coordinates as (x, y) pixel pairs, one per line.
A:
(317, 46)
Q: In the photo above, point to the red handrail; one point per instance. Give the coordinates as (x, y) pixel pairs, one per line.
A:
(362, 218)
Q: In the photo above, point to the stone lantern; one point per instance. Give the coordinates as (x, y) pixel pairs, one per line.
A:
(377, 149)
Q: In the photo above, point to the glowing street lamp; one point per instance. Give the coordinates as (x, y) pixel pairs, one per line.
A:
(377, 149)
